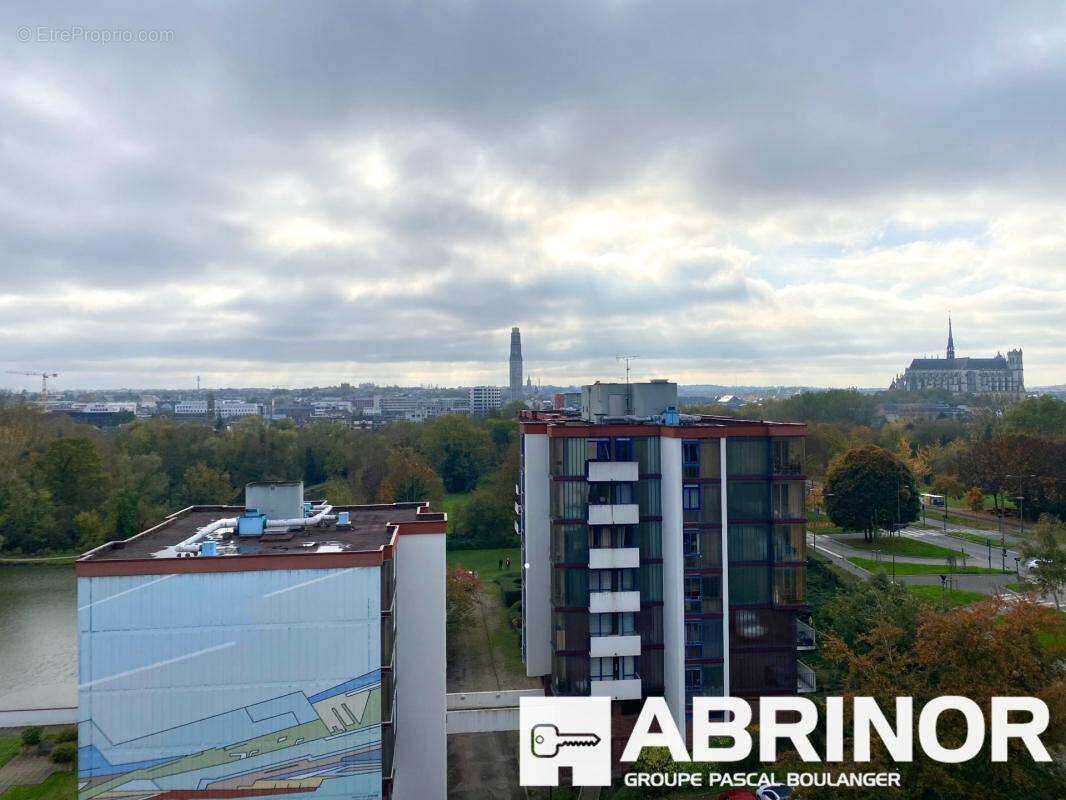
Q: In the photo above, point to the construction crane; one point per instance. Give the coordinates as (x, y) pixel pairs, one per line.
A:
(44, 376)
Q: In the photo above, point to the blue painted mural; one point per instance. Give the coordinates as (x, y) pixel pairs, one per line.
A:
(244, 684)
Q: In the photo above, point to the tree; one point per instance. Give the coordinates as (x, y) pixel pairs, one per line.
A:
(1048, 546)
(990, 649)
(868, 488)
(1037, 416)
(948, 485)
(206, 486)
(410, 479)
(90, 529)
(458, 449)
(73, 471)
(975, 499)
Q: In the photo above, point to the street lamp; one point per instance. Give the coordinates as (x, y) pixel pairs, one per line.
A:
(1017, 567)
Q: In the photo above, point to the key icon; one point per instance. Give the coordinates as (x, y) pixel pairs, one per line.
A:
(547, 740)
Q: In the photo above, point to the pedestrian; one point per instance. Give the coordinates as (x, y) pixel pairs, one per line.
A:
(508, 563)
(499, 565)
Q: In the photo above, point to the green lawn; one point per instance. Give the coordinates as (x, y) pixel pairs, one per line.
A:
(903, 568)
(57, 786)
(936, 596)
(486, 562)
(9, 748)
(1020, 587)
(902, 546)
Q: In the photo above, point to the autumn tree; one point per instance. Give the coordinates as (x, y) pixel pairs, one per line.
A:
(975, 499)
(204, 485)
(869, 488)
(409, 478)
(458, 449)
(1037, 416)
(990, 649)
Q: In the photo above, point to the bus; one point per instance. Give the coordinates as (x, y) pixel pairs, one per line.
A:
(932, 500)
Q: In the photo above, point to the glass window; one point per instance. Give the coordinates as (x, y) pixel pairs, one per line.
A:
(790, 543)
(648, 493)
(788, 455)
(567, 456)
(693, 589)
(568, 499)
(650, 539)
(693, 678)
(790, 585)
(690, 497)
(601, 669)
(749, 586)
(691, 542)
(599, 450)
(788, 500)
(623, 493)
(647, 453)
(748, 543)
(570, 588)
(747, 456)
(650, 581)
(623, 449)
(570, 674)
(693, 633)
(710, 458)
(599, 494)
(569, 544)
(690, 459)
(571, 631)
(748, 500)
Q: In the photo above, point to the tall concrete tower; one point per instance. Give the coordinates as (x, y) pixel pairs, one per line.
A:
(951, 341)
(516, 365)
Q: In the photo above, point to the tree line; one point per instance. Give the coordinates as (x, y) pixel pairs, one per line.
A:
(67, 486)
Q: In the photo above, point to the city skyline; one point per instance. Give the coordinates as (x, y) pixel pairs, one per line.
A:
(392, 190)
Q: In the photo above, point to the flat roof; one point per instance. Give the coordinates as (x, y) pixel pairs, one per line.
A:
(691, 425)
(373, 528)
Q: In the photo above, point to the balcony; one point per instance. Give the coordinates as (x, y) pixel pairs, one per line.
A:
(608, 646)
(805, 636)
(619, 471)
(614, 558)
(613, 602)
(625, 689)
(806, 681)
(627, 514)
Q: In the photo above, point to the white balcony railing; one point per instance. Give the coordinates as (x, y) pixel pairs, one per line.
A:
(614, 558)
(806, 681)
(611, 646)
(806, 638)
(620, 471)
(613, 602)
(627, 514)
(625, 689)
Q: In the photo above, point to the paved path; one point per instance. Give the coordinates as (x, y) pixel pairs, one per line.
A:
(24, 770)
(483, 765)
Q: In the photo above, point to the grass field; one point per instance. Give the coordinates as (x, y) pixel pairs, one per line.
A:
(453, 502)
(903, 568)
(902, 546)
(486, 562)
(935, 595)
(57, 786)
(9, 748)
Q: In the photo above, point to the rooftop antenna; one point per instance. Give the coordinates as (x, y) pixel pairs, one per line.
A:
(626, 359)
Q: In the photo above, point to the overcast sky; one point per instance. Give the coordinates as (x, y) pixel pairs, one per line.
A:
(306, 193)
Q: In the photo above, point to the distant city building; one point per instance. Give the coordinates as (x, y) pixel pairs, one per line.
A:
(274, 648)
(104, 408)
(486, 398)
(988, 376)
(190, 407)
(516, 364)
(236, 409)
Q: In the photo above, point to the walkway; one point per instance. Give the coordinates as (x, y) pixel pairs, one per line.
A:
(24, 770)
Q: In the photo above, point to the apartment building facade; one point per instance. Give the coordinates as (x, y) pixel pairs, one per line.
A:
(283, 647)
(665, 554)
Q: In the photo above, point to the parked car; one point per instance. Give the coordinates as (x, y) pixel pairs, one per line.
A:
(773, 791)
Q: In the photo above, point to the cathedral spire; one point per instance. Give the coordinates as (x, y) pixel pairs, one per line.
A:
(951, 340)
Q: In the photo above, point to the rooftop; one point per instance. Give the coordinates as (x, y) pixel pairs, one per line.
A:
(372, 528)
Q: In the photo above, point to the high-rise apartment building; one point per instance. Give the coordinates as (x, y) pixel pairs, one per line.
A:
(516, 365)
(665, 553)
(279, 648)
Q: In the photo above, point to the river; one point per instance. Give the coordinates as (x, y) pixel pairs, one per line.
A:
(38, 637)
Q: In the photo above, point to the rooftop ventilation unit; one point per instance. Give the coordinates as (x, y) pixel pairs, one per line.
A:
(276, 499)
(344, 521)
(251, 523)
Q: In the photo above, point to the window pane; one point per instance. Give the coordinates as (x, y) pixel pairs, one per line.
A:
(788, 455)
(569, 544)
(790, 543)
(567, 456)
(749, 586)
(748, 500)
(648, 497)
(747, 456)
(569, 499)
(647, 451)
(710, 458)
(748, 543)
(790, 585)
(650, 539)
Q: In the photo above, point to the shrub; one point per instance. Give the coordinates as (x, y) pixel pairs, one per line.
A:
(30, 736)
(64, 753)
(511, 586)
(68, 735)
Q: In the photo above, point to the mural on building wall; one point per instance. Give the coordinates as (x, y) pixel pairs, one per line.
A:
(230, 685)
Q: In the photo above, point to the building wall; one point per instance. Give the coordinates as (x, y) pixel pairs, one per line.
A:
(421, 765)
(204, 682)
(673, 581)
(536, 582)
